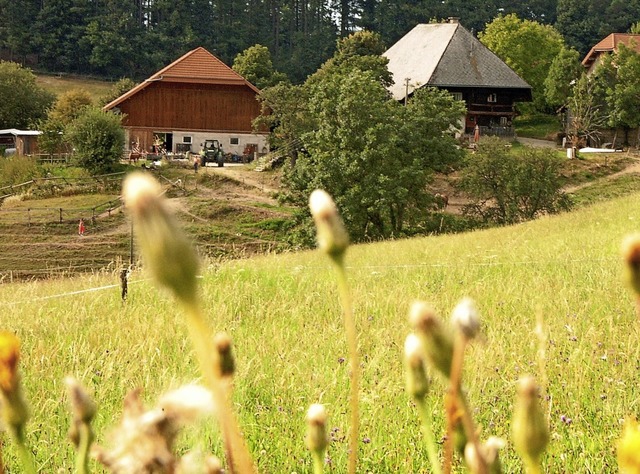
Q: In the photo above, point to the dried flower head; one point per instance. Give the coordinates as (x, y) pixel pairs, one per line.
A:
(631, 256)
(629, 448)
(417, 381)
(317, 429)
(490, 452)
(529, 428)
(436, 339)
(82, 405)
(332, 235)
(166, 250)
(144, 440)
(466, 318)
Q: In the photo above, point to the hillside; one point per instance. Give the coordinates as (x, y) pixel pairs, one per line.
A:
(225, 217)
(561, 272)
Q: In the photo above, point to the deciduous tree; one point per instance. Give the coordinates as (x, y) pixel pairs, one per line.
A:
(23, 101)
(255, 65)
(528, 47)
(98, 139)
(507, 187)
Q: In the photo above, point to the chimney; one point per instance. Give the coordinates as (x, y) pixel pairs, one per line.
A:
(453, 19)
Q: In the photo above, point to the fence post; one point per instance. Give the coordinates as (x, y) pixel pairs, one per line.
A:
(29, 217)
(60, 215)
(93, 215)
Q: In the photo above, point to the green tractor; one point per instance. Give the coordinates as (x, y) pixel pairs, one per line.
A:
(212, 153)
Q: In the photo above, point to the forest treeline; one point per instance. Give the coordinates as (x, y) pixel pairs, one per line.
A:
(134, 38)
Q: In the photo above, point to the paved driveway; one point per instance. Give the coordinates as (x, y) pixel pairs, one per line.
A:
(534, 142)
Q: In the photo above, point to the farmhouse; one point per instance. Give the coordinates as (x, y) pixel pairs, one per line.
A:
(607, 46)
(20, 142)
(193, 99)
(447, 56)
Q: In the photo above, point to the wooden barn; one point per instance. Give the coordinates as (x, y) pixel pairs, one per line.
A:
(193, 99)
(448, 56)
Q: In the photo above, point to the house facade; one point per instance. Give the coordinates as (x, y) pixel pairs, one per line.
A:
(193, 99)
(447, 56)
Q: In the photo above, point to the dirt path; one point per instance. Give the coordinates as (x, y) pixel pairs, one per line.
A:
(241, 173)
(631, 169)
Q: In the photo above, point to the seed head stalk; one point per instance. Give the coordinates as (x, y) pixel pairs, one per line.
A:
(354, 361)
(429, 438)
(460, 403)
(333, 239)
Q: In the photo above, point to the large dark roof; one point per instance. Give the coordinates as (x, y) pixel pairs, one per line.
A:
(447, 55)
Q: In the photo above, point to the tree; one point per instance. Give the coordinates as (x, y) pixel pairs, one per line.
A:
(508, 187)
(623, 93)
(69, 106)
(373, 155)
(255, 65)
(527, 47)
(564, 72)
(23, 101)
(98, 139)
(120, 87)
(588, 111)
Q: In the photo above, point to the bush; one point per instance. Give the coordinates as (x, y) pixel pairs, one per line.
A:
(507, 187)
(98, 140)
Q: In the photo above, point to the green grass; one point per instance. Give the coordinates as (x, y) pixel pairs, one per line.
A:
(605, 190)
(539, 126)
(61, 84)
(284, 316)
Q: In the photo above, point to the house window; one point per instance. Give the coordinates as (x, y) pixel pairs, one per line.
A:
(234, 141)
(504, 122)
(186, 139)
(492, 98)
(457, 95)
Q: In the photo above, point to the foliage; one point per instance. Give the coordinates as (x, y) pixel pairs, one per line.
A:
(623, 93)
(98, 140)
(361, 50)
(564, 72)
(69, 106)
(506, 187)
(23, 101)
(17, 169)
(120, 87)
(372, 154)
(528, 47)
(255, 65)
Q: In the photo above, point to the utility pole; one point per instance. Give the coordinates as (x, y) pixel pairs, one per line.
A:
(406, 89)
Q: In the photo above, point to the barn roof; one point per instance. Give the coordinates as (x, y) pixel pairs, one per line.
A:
(447, 55)
(610, 44)
(196, 66)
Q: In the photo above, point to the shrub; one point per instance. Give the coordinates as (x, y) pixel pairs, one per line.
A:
(98, 140)
(507, 187)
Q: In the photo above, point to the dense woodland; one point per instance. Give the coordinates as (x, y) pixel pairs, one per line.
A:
(134, 38)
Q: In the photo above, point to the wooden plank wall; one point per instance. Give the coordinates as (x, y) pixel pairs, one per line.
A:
(167, 105)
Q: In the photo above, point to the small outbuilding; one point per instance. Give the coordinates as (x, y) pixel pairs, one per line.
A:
(19, 142)
(448, 56)
(194, 99)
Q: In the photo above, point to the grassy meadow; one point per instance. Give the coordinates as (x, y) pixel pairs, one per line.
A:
(284, 316)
